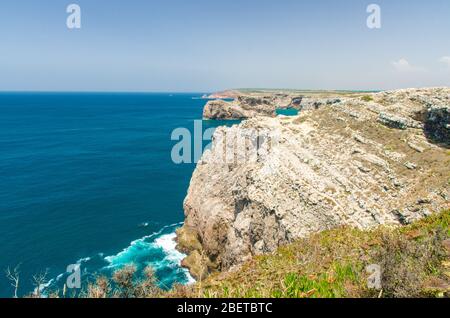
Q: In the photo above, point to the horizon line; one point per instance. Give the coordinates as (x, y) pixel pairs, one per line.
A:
(242, 89)
(103, 91)
(189, 92)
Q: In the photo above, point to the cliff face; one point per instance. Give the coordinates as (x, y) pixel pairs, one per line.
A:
(225, 94)
(381, 159)
(252, 104)
(242, 107)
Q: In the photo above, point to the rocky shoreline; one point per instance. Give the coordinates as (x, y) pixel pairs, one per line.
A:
(249, 104)
(362, 160)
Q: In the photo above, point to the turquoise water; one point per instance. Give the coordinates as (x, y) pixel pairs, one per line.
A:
(88, 179)
(287, 111)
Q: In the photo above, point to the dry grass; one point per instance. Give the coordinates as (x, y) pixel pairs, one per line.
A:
(333, 264)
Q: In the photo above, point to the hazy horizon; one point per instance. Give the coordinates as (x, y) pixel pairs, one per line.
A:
(204, 92)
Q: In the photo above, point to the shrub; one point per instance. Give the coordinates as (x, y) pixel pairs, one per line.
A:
(367, 98)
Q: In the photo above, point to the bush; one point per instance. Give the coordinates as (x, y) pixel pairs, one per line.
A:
(408, 264)
(367, 98)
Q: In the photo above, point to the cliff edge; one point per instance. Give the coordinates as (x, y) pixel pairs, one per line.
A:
(248, 104)
(380, 159)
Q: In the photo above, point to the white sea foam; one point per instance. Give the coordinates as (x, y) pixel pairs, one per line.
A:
(142, 247)
(42, 288)
(50, 283)
(168, 245)
(142, 243)
(83, 260)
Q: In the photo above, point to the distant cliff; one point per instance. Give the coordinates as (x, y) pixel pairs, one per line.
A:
(380, 158)
(225, 94)
(248, 104)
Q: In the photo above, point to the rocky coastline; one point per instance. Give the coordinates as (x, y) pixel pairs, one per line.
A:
(362, 160)
(248, 104)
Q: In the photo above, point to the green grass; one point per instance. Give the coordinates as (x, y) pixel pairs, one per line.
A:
(325, 285)
(333, 264)
(367, 98)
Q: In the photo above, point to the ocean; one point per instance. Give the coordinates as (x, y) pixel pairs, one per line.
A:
(87, 178)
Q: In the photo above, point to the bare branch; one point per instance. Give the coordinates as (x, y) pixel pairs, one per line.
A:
(39, 280)
(14, 277)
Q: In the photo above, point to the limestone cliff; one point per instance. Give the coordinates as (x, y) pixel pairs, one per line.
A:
(379, 159)
(250, 104)
(241, 108)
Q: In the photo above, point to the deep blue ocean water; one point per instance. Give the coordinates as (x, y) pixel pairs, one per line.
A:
(88, 178)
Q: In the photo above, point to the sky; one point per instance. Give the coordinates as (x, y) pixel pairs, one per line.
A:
(211, 45)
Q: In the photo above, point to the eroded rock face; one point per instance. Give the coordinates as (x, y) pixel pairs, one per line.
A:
(197, 265)
(437, 123)
(331, 166)
(221, 110)
(243, 107)
(309, 103)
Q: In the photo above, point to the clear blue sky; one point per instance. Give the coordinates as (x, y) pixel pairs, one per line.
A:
(208, 45)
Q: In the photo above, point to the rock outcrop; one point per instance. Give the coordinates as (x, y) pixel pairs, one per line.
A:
(229, 94)
(357, 162)
(244, 106)
(222, 110)
(437, 124)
